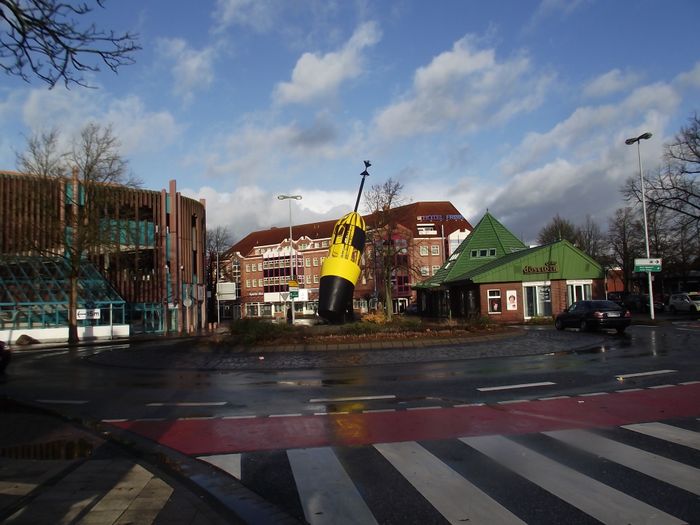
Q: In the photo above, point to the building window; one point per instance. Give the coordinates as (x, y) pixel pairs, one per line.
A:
(247, 283)
(316, 279)
(424, 250)
(424, 271)
(435, 249)
(538, 300)
(578, 291)
(494, 298)
(247, 267)
(307, 262)
(435, 269)
(492, 252)
(315, 261)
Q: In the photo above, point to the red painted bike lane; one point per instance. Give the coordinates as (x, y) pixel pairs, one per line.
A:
(220, 436)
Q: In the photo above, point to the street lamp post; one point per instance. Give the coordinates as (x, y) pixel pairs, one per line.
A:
(292, 263)
(629, 142)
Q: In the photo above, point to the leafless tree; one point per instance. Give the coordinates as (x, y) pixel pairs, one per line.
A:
(46, 38)
(388, 259)
(675, 187)
(557, 229)
(90, 224)
(625, 237)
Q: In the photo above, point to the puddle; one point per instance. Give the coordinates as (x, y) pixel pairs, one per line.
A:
(60, 449)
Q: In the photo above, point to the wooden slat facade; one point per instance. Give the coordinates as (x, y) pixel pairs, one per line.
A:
(32, 222)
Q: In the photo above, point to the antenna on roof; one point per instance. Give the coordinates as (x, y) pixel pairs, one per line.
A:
(364, 174)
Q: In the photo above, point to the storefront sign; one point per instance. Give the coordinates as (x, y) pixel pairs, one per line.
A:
(548, 267)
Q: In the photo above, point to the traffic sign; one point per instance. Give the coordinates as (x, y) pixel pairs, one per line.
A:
(647, 265)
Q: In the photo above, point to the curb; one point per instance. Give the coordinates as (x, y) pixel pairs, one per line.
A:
(225, 494)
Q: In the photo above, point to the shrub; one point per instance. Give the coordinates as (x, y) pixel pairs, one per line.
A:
(253, 331)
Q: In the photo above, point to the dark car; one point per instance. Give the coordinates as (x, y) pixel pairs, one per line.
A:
(640, 303)
(589, 315)
(5, 356)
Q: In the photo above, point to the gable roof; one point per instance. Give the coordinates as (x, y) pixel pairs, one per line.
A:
(488, 234)
(441, 213)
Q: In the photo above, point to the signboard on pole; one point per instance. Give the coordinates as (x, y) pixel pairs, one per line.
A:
(293, 289)
(87, 313)
(647, 265)
(226, 291)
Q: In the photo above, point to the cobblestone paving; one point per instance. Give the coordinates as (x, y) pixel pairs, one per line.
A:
(528, 342)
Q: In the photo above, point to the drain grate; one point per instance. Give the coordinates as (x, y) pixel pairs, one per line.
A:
(60, 449)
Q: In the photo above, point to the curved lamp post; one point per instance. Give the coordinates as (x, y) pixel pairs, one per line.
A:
(292, 267)
(629, 142)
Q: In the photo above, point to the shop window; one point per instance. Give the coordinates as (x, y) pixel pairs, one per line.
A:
(578, 291)
(538, 300)
(494, 298)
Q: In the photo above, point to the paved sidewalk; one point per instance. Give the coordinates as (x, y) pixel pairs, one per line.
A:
(52, 472)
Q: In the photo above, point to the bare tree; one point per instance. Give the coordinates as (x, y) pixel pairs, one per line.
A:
(45, 38)
(90, 224)
(625, 237)
(590, 238)
(675, 187)
(388, 258)
(557, 229)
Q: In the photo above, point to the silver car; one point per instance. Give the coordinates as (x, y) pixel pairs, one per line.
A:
(684, 302)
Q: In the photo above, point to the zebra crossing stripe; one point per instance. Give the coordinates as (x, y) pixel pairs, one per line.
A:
(672, 472)
(453, 496)
(681, 436)
(229, 463)
(600, 501)
(327, 494)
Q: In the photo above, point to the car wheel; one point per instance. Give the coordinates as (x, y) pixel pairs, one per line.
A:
(558, 324)
(583, 325)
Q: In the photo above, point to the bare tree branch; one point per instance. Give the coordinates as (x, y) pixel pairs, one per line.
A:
(45, 38)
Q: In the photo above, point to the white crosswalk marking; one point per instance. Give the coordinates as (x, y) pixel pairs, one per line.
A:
(672, 472)
(327, 493)
(684, 437)
(230, 463)
(453, 496)
(604, 503)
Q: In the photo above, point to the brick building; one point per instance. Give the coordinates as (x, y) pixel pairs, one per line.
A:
(494, 274)
(261, 262)
(150, 266)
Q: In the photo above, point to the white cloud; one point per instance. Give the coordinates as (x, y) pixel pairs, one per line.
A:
(192, 70)
(689, 79)
(249, 207)
(592, 129)
(259, 15)
(613, 81)
(138, 129)
(317, 76)
(467, 87)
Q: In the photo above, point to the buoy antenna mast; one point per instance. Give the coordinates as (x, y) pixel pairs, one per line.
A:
(362, 184)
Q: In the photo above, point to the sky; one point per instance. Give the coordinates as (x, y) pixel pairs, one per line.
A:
(520, 107)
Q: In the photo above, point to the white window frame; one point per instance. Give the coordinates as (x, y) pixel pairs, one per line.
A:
(424, 251)
(491, 294)
(424, 271)
(435, 249)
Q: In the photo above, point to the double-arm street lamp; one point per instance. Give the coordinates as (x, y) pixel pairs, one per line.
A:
(629, 142)
(292, 263)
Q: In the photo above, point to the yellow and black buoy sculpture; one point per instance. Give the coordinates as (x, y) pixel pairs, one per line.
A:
(341, 268)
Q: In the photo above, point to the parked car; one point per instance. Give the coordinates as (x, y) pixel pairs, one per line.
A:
(5, 356)
(589, 315)
(637, 302)
(684, 302)
(617, 297)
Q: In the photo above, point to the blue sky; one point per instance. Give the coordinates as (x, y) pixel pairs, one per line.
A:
(521, 107)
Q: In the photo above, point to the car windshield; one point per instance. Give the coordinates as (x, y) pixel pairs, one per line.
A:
(604, 305)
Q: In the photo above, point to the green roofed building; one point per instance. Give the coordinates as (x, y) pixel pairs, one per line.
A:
(492, 273)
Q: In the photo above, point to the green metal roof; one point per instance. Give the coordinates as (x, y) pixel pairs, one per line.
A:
(488, 234)
(558, 260)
